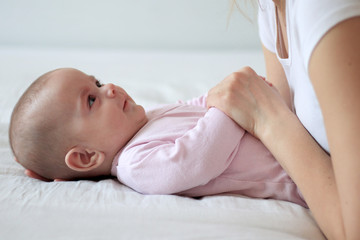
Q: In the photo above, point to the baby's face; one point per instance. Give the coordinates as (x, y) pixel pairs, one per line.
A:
(102, 117)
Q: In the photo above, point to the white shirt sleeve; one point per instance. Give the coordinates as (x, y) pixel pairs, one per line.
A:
(315, 18)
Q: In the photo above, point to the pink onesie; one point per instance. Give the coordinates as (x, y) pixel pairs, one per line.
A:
(187, 150)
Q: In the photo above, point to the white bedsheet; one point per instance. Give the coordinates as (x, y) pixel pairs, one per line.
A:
(31, 209)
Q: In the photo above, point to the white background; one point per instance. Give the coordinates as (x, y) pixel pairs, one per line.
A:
(129, 24)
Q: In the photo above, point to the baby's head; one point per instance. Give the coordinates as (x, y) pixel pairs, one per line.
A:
(67, 125)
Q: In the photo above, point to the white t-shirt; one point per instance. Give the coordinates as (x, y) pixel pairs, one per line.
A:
(307, 21)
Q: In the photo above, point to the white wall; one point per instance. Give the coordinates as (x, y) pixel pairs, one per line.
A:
(150, 24)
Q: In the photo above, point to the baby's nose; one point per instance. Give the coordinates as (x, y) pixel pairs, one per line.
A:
(110, 90)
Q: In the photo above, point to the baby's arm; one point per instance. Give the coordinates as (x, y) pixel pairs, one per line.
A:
(193, 159)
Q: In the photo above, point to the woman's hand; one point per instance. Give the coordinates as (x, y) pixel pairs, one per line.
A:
(34, 175)
(248, 100)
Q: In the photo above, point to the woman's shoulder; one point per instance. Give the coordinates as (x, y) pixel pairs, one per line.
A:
(321, 15)
(313, 19)
(321, 11)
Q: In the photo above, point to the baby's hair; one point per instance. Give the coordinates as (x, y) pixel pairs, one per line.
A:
(38, 139)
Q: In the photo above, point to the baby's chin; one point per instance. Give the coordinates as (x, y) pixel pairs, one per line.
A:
(140, 113)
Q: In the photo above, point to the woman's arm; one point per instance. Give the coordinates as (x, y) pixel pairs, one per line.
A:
(275, 74)
(262, 111)
(309, 166)
(335, 73)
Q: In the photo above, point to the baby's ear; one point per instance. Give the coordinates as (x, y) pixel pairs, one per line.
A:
(82, 160)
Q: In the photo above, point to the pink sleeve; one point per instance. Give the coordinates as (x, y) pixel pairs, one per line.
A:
(199, 101)
(193, 159)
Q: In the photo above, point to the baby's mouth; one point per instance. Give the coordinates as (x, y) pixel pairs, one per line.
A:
(125, 103)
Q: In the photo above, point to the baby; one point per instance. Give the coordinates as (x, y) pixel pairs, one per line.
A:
(67, 125)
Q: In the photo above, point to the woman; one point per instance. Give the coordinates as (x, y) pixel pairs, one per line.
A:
(311, 121)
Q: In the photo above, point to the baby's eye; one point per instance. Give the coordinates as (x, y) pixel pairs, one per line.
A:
(98, 83)
(91, 100)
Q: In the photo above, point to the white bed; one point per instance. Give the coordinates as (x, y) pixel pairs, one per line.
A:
(31, 209)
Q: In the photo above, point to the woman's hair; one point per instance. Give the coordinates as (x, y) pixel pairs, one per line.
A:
(38, 139)
(242, 7)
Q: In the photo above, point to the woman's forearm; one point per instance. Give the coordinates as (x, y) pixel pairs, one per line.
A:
(309, 166)
(334, 69)
(261, 111)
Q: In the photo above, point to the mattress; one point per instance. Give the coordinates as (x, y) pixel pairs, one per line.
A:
(106, 209)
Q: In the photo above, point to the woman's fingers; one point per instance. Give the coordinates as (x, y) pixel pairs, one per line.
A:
(263, 78)
(245, 98)
(32, 174)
